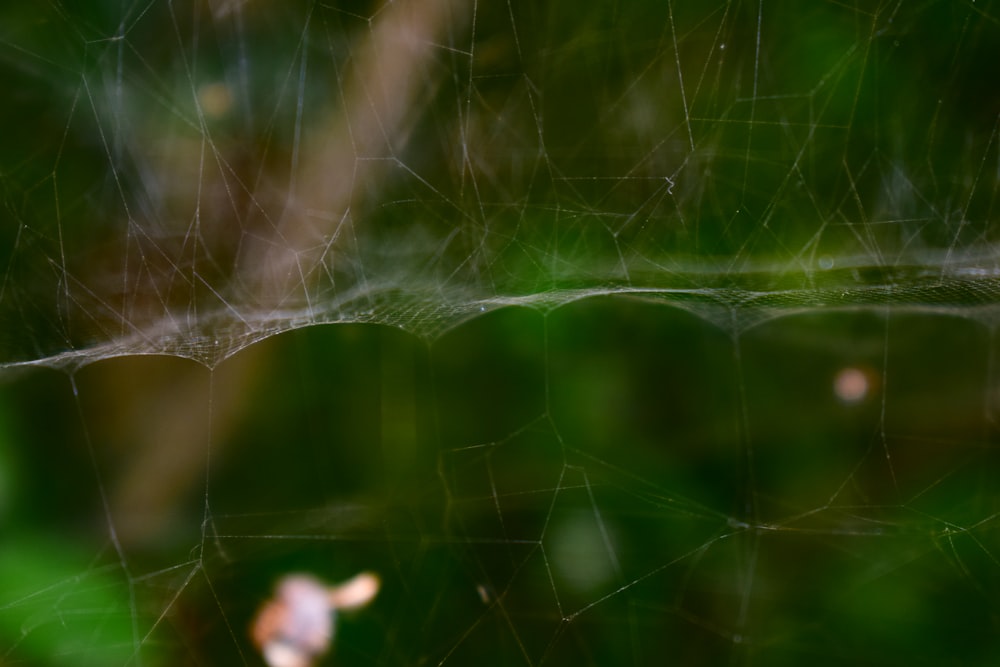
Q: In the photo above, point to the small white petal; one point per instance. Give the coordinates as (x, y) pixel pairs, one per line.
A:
(355, 592)
(280, 654)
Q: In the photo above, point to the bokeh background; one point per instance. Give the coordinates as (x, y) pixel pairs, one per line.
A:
(609, 334)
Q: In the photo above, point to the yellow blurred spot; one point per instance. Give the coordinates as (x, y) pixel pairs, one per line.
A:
(216, 99)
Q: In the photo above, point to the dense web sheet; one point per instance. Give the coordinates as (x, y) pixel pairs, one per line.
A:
(648, 329)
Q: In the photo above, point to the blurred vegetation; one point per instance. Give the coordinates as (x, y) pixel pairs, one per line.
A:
(539, 317)
(614, 478)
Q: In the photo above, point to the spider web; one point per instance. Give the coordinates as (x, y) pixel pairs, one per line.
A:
(602, 333)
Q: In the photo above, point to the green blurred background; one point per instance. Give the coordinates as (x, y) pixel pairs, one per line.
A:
(547, 313)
